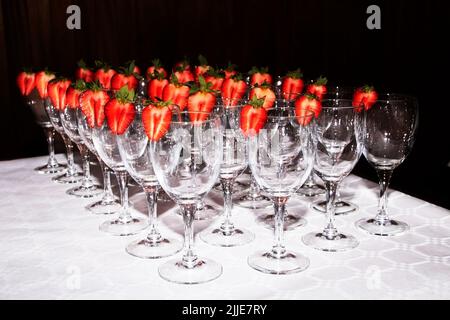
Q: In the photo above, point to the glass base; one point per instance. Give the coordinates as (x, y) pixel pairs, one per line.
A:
(104, 207)
(147, 249)
(217, 237)
(46, 169)
(123, 228)
(341, 242)
(83, 192)
(342, 207)
(291, 221)
(311, 191)
(68, 179)
(252, 201)
(288, 263)
(205, 270)
(386, 229)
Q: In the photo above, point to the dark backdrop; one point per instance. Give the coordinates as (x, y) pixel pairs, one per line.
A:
(409, 54)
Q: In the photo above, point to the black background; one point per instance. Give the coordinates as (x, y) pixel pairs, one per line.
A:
(409, 55)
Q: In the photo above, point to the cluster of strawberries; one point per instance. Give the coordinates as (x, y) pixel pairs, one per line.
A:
(193, 88)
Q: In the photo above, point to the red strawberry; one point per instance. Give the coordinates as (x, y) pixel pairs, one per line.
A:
(304, 116)
(202, 68)
(230, 71)
(253, 117)
(364, 97)
(233, 89)
(318, 88)
(104, 74)
(259, 76)
(155, 67)
(215, 78)
(292, 85)
(126, 77)
(92, 104)
(156, 86)
(308, 102)
(176, 93)
(83, 72)
(73, 94)
(156, 119)
(183, 72)
(266, 93)
(57, 90)
(26, 82)
(42, 80)
(202, 99)
(120, 111)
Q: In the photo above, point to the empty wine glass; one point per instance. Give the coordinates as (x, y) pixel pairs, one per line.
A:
(105, 143)
(134, 147)
(108, 204)
(339, 133)
(281, 161)
(391, 125)
(37, 106)
(187, 163)
(235, 160)
(69, 122)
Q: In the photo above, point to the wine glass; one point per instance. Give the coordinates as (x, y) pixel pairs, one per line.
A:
(391, 125)
(187, 163)
(339, 134)
(234, 162)
(37, 106)
(69, 122)
(108, 204)
(281, 157)
(105, 143)
(134, 147)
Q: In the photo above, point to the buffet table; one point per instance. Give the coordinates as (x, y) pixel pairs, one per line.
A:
(51, 248)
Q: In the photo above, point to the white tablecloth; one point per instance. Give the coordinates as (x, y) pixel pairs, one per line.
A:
(51, 248)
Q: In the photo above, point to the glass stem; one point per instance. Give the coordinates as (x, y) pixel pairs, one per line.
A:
(69, 151)
(254, 188)
(189, 257)
(87, 182)
(385, 178)
(227, 226)
(278, 249)
(310, 181)
(108, 196)
(122, 179)
(151, 193)
(330, 231)
(50, 135)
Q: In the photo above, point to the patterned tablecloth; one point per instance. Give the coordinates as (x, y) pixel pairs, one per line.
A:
(51, 248)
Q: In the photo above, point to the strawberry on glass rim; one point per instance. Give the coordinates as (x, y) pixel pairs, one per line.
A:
(92, 104)
(26, 81)
(364, 98)
(156, 119)
(202, 67)
(202, 99)
(119, 111)
(42, 79)
(156, 86)
(259, 76)
(318, 87)
(183, 73)
(73, 94)
(253, 116)
(156, 66)
(83, 72)
(230, 70)
(215, 77)
(176, 92)
(264, 92)
(104, 74)
(233, 90)
(127, 76)
(292, 85)
(307, 102)
(57, 91)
